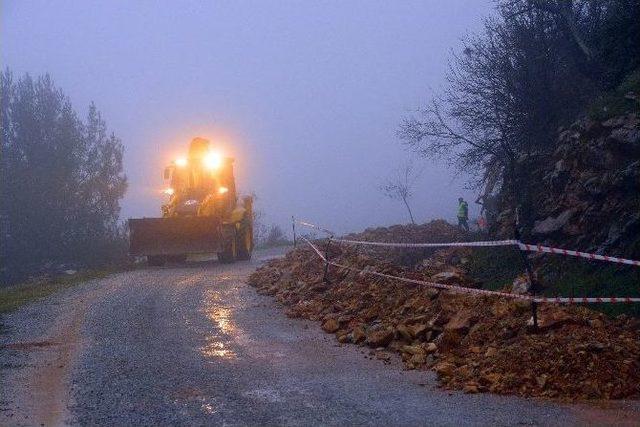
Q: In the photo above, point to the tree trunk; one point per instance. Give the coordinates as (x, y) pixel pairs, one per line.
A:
(408, 209)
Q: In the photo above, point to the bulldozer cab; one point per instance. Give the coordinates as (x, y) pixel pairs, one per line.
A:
(202, 185)
(202, 213)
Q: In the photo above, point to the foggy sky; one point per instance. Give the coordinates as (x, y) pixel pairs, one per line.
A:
(306, 96)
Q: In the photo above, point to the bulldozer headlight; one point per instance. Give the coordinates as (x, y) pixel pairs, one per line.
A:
(212, 160)
(223, 190)
(181, 162)
(169, 191)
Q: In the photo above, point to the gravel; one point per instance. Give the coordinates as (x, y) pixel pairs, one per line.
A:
(195, 345)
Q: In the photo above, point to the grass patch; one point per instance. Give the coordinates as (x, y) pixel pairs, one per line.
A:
(560, 276)
(581, 278)
(495, 267)
(15, 296)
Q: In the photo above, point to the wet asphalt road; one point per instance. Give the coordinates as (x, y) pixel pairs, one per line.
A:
(195, 345)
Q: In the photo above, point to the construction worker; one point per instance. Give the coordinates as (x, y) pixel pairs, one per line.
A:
(463, 214)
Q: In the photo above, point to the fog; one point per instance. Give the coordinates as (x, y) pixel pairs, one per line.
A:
(307, 96)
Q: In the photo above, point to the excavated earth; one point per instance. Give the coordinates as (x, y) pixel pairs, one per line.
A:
(474, 343)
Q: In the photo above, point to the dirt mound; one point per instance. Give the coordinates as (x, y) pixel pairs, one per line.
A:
(474, 343)
(436, 231)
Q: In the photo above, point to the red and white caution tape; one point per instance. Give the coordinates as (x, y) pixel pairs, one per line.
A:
(547, 249)
(462, 289)
(317, 227)
(522, 246)
(429, 245)
(585, 300)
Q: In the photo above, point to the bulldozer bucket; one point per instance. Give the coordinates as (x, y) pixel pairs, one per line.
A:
(174, 236)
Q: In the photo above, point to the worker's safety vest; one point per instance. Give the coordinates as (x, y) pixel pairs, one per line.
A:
(463, 210)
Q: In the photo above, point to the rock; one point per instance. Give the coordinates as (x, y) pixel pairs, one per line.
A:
(490, 378)
(596, 347)
(626, 136)
(330, 326)
(404, 333)
(417, 329)
(343, 339)
(358, 335)
(445, 369)
(550, 319)
(491, 351)
(553, 224)
(471, 388)
(463, 371)
(520, 284)
(431, 348)
(541, 380)
(418, 359)
(70, 272)
(460, 322)
(413, 349)
(383, 355)
(449, 277)
(380, 338)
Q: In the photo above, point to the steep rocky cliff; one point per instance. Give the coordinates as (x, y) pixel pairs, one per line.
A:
(586, 195)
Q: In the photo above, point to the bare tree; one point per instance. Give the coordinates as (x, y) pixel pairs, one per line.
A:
(533, 68)
(501, 103)
(400, 185)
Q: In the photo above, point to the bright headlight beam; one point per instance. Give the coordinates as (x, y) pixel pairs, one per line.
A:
(212, 160)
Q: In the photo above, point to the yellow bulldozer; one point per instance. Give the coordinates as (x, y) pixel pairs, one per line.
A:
(202, 215)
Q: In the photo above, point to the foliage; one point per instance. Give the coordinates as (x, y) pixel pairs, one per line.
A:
(274, 237)
(537, 65)
(62, 180)
(623, 99)
(571, 277)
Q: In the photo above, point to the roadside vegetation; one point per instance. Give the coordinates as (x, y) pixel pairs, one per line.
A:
(14, 296)
(534, 69)
(61, 184)
(496, 268)
(273, 237)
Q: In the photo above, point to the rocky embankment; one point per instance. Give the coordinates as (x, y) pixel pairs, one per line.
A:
(588, 196)
(473, 343)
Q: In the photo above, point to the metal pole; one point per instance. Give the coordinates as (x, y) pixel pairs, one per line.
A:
(533, 286)
(293, 225)
(325, 276)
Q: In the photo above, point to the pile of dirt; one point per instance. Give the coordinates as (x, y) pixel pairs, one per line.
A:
(436, 231)
(474, 343)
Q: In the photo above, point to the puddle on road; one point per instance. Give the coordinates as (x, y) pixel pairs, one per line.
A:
(223, 330)
(215, 349)
(188, 396)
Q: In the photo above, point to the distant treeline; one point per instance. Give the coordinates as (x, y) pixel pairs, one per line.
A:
(61, 181)
(537, 65)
